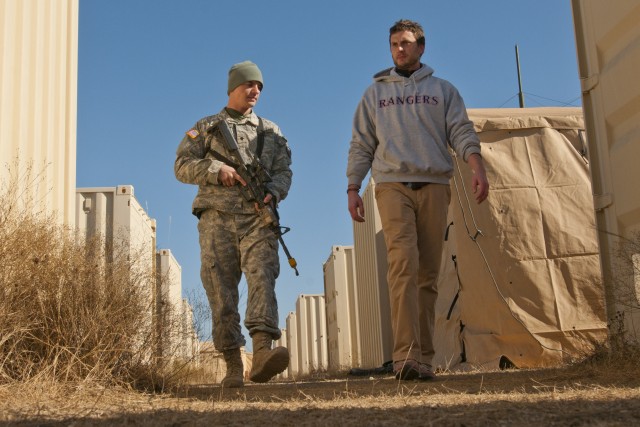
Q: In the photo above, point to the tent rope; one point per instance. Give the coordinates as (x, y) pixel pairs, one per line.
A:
(474, 237)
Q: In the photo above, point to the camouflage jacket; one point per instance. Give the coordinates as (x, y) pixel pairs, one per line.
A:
(196, 164)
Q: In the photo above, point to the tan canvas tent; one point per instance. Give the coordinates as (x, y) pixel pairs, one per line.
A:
(521, 281)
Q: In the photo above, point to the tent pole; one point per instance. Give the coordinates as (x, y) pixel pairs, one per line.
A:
(520, 94)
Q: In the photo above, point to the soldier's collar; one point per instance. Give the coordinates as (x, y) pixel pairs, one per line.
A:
(235, 114)
(240, 118)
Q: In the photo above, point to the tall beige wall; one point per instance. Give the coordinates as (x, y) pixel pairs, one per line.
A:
(608, 50)
(38, 100)
(372, 295)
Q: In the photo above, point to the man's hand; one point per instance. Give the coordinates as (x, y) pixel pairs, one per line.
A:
(228, 176)
(479, 182)
(356, 207)
(268, 201)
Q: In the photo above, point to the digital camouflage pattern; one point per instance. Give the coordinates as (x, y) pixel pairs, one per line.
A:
(195, 163)
(233, 237)
(229, 245)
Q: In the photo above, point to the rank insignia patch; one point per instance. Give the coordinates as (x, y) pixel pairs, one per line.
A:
(193, 133)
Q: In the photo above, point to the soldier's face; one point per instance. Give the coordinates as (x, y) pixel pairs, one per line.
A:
(244, 97)
(405, 50)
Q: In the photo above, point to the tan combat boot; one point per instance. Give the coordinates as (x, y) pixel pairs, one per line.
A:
(235, 370)
(267, 363)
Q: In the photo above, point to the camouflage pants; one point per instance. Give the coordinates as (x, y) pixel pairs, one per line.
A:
(232, 244)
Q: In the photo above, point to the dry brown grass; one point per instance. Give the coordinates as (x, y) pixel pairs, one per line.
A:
(68, 313)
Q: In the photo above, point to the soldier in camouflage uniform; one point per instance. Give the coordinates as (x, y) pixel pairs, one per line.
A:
(233, 237)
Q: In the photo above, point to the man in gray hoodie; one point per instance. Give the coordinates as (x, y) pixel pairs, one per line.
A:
(402, 129)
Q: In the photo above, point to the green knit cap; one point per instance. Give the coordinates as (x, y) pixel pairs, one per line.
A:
(241, 72)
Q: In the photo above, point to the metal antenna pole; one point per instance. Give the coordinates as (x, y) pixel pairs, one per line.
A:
(520, 94)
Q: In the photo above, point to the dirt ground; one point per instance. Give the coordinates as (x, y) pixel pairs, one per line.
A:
(555, 397)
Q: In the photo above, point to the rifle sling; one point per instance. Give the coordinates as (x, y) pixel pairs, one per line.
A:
(224, 159)
(260, 145)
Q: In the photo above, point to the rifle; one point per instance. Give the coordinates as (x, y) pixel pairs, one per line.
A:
(256, 176)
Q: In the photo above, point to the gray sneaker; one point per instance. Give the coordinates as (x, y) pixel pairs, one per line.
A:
(406, 370)
(426, 372)
(410, 369)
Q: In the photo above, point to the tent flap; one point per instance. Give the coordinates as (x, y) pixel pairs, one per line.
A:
(528, 275)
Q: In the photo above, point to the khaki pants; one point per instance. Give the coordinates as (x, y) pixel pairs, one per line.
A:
(413, 223)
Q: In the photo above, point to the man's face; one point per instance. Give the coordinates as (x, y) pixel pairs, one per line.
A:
(405, 50)
(245, 96)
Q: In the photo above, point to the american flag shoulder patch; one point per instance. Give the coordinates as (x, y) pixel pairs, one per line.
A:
(193, 133)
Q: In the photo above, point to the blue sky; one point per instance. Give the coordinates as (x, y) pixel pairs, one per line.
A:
(149, 69)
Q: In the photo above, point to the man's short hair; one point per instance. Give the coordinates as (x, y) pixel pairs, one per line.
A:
(407, 25)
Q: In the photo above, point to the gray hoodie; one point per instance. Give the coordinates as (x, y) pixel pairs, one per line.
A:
(403, 125)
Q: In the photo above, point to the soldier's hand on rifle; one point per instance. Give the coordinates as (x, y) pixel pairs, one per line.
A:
(268, 200)
(228, 176)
